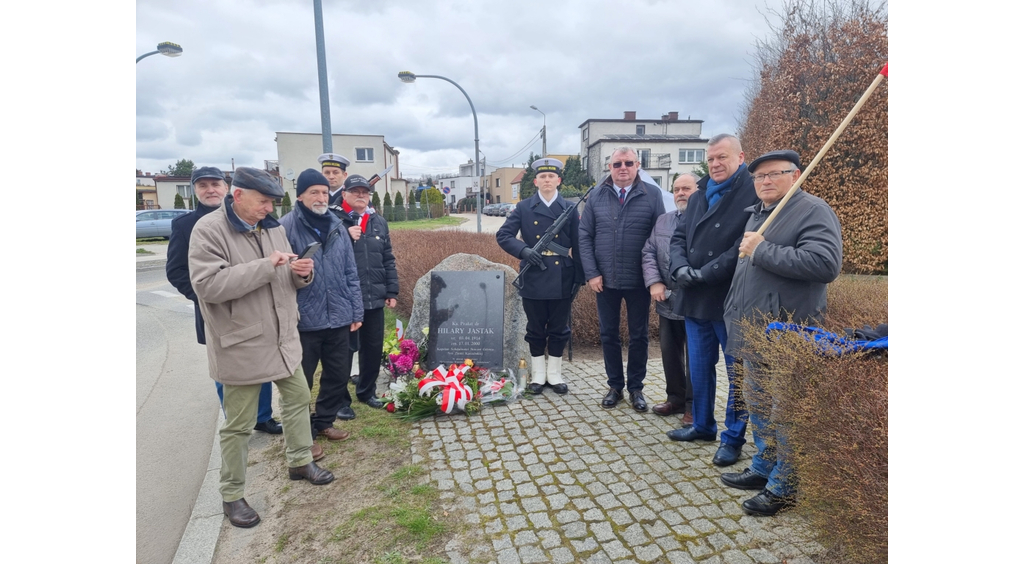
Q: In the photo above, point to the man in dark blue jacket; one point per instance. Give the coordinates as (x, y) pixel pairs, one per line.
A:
(210, 189)
(616, 222)
(704, 253)
(331, 307)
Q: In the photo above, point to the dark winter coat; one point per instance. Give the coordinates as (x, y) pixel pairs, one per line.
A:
(532, 217)
(612, 234)
(790, 270)
(709, 240)
(378, 276)
(333, 300)
(177, 261)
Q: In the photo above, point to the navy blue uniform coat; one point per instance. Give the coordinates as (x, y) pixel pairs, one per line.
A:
(532, 218)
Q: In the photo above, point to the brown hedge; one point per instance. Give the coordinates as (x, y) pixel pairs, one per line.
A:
(416, 252)
(812, 69)
(836, 412)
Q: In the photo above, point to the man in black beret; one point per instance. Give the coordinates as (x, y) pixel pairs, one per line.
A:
(245, 275)
(210, 189)
(783, 275)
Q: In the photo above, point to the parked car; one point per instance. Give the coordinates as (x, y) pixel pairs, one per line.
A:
(155, 223)
(505, 209)
(490, 209)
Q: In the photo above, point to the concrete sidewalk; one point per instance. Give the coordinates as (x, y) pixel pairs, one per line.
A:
(561, 479)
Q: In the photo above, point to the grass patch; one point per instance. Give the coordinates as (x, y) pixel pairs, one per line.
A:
(141, 251)
(281, 542)
(436, 223)
(151, 241)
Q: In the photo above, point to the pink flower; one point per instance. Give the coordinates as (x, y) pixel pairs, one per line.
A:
(409, 348)
(403, 364)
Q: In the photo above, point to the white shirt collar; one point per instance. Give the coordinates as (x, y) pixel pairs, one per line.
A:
(547, 203)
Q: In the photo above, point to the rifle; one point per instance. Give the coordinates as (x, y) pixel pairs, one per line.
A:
(549, 235)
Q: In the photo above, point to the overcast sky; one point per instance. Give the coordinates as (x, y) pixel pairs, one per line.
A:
(249, 70)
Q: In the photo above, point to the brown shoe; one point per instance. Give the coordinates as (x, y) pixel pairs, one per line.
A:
(334, 434)
(687, 419)
(317, 451)
(240, 514)
(314, 474)
(667, 408)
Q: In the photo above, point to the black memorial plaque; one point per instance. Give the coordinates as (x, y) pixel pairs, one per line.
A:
(467, 318)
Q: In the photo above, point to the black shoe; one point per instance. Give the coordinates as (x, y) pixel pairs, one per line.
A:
(270, 427)
(612, 399)
(374, 403)
(727, 455)
(240, 514)
(638, 401)
(346, 414)
(766, 503)
(690, 434)
(311, 473)
(745, 480)
(560, 389)
(535, 388)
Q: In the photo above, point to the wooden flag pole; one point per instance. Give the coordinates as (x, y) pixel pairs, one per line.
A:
(884, 73)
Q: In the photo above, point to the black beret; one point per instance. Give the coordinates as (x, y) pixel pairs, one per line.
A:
(784, 155)
(207, 172)
(310, 177)
(256, 179)
(356, 181)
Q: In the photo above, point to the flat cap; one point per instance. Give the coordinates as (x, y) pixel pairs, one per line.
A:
(547, 164)
(258, 180)
(333, 159)
(207, 172)
(783, 155)
(356, 181)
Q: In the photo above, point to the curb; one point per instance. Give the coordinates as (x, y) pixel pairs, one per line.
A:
(199, 541)
(154, 264)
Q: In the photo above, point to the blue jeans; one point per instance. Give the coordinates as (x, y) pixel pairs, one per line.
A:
(638, 307)
(771, 460)
(704, 338)
(263, 413)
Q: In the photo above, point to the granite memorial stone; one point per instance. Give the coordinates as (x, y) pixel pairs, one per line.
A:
(467, 314)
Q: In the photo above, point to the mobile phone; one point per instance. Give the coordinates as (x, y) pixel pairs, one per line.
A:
(309, 250)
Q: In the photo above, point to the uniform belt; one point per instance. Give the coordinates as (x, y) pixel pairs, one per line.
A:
(549, 253)
(555, 249)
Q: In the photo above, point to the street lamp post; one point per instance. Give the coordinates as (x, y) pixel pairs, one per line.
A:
(409, 77)
(543, 133)
(166, 48)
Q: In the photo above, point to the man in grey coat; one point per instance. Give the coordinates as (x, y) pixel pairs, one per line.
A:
(657, 262)
(783, 275)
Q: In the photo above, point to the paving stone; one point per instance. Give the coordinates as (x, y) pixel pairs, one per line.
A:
(507, 495)
(634, 535)
(727, 525)
(539, 520)
(762, 556)
(567, 516)
(630, 499)
(677, 557)
(648, 553)
(698, 548)
(562, 555)
(620, 517)
(690, 513)
(657, 529)
(671, 517)
(516, 522)
(599, 558)
(721, 542)
(472, 518)
(593, 514)
(711, 511)
(736, 557)
(668, 544)
(519, 477)
(530, 554)
(503, 485)
(643, 514)
(557, 501)
(686, 531)
(549, 538)
(533, 504)
(615, 550)
(575, 530)
(489, 511)
(602, 531)
(484, 485)
(501, 543)
(508, 556)
(526, 537)
(565, 478)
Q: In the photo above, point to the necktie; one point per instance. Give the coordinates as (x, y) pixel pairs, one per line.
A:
(622, 196)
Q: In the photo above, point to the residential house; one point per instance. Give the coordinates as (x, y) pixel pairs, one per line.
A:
(145, 191)
(368, 155)
(665, 146)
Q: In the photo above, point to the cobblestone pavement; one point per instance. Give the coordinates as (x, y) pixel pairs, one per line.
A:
(561, 479)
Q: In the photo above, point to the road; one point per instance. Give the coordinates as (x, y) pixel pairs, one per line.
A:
(175, 416)
(488, 223)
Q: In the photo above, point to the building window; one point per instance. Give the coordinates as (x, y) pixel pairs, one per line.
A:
(586, 134)
(364, 155)
(691, 156)
(497, 183)
(657, 180)
(645, 157)
(640, 129)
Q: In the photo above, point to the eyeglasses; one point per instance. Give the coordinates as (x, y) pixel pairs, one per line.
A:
(773, 175)
(628, 164)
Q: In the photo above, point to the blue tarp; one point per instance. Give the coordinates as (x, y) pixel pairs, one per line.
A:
(831, 341)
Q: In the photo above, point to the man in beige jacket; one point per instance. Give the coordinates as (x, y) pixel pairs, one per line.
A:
(245, 275)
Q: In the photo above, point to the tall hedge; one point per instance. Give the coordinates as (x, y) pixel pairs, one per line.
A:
(817, 61)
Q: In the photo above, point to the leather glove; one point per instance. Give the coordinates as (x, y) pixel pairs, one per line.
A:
(531, 256)
(687, 277)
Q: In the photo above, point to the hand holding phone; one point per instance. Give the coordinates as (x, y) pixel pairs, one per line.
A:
(309, 250)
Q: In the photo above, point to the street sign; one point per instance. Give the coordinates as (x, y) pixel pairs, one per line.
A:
(446, 190)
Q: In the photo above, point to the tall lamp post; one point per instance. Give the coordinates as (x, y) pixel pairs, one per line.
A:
(409, 77)
(543, 132)
(166, 48)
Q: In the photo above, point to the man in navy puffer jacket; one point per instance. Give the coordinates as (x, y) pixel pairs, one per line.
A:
(332, 306)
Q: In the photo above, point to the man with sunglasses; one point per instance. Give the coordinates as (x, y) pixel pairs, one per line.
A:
(704, 253)
(784, 273)
(616, 222)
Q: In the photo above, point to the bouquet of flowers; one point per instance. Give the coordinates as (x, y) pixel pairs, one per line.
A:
(400, 355)
(464, 388)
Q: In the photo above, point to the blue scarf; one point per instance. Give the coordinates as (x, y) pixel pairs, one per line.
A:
(716, 190)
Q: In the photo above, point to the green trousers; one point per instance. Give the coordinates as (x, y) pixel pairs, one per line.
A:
(240, 414)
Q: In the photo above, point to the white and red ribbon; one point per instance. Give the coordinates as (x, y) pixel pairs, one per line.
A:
(454, 392)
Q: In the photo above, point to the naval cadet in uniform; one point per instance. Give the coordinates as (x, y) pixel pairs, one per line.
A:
(334, 167)
(547, 294)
